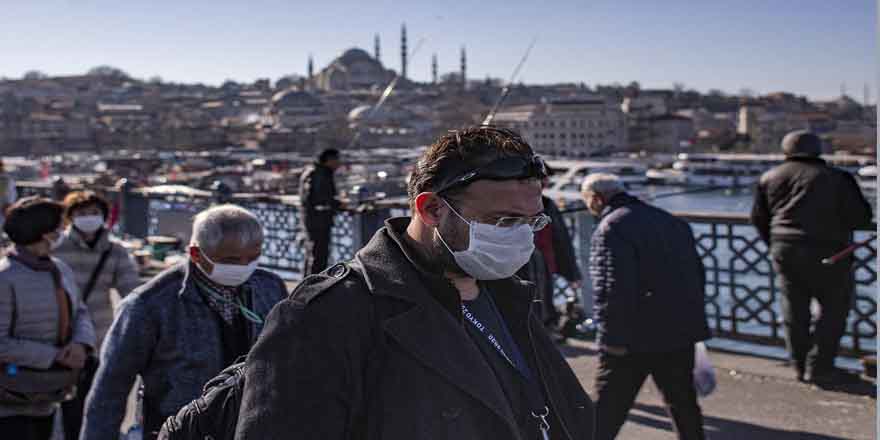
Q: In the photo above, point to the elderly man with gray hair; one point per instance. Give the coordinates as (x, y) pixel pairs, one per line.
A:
(183, 327)
(648, 282)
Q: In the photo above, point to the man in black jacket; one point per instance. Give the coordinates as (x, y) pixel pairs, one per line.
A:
(805, 211)
(426, 335)
(317, 194)
(648, 282)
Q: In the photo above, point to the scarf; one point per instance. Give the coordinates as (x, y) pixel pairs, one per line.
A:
(45, 264)
(227, 307)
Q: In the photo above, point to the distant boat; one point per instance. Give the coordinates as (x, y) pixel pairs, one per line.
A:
(569, 174)
(731, 170)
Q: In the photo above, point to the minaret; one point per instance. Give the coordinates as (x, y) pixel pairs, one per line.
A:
(403, 50)
(434, 69)
(463, 68)
(376, 51)
(311, 68)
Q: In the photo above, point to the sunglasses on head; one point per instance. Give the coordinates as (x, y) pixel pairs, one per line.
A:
(505, 168)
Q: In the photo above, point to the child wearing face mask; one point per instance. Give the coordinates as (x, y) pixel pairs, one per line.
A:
(50, 334)
(104, 272)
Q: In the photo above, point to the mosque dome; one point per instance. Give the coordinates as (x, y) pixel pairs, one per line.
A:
(294, 97)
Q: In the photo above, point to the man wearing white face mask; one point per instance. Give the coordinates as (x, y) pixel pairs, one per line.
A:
(426, 333)
(183, 327)
(104, 270)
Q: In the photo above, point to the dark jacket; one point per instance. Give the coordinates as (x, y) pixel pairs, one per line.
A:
(648, 279)
(317, 193)
(387, 356)
(805, 200)
(566, 263)
(166, 333)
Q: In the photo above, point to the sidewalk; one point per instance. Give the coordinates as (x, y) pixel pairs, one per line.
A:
(756, 399)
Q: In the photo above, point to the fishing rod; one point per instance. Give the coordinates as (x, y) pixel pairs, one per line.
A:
(847, 251)
(384, 97)
(506, 90)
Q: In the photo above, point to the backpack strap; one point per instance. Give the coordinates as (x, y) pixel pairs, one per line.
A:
(90, 285)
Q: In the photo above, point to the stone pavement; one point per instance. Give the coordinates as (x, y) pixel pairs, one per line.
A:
(756, 399)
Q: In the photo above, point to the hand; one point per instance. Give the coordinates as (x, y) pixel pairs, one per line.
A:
(72, 356)
(614, 351)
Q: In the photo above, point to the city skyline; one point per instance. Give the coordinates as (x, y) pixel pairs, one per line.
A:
(811, 50)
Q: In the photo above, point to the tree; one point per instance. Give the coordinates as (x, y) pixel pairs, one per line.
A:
(746, 92)
(108, 71)
(35, 74)
(155, 80)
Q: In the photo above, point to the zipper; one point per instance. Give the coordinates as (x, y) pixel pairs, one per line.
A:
(541, 374)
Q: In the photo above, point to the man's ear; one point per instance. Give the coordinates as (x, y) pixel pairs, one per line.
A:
(429, 208)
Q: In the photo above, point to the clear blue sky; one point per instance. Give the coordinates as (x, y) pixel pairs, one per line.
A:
(804, 46)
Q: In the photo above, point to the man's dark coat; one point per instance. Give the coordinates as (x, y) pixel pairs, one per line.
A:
(381, 352)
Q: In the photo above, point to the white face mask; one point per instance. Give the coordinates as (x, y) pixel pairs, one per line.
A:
(88, 223)
(493, 252)
(230, 275)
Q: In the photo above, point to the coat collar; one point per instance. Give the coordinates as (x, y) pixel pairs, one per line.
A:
(432, 329)
(617, 201)
(102, 244)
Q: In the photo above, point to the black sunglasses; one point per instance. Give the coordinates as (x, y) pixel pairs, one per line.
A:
(505, 168)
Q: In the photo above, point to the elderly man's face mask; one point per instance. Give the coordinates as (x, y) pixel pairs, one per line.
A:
(231, 264)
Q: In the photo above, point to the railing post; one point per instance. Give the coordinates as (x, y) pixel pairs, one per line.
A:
(584, 226)
(135, 212)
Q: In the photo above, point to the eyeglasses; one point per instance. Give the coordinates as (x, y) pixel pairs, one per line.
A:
(537, 222)
(505, 168)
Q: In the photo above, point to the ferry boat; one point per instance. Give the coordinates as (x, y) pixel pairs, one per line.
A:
(569, 174)
(733, 170)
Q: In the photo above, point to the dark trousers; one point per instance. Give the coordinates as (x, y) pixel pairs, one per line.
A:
(72, 410)
(621, 377)
(803, 277)
(317, 246)
(26, 427)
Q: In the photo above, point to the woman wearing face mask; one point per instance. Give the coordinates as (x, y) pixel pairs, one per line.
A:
(46, 333)
(105, 272)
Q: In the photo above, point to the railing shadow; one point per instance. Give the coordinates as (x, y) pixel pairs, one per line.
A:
(723, 429)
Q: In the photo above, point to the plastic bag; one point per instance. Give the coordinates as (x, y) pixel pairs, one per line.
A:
(704, 373)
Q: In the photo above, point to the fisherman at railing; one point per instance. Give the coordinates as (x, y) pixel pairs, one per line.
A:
(319, 206)
(806, 210)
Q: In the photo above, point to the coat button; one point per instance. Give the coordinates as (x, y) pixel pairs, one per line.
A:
(649, 294)
(451, 413)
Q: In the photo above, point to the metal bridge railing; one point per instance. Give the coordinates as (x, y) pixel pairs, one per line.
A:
(742, 293)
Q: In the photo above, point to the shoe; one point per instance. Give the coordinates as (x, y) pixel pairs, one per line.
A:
(836, 376)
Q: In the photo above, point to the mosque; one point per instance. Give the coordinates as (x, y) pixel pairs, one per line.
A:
(357, 70)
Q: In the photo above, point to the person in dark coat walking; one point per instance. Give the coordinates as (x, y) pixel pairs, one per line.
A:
(806, 211)
(426, 334)
(317, 193)
(648, 282)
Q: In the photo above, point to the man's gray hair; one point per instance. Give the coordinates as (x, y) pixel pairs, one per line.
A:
(604, 184)
(213, 225)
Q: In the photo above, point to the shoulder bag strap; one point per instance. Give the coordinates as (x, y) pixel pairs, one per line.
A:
(87, 290)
